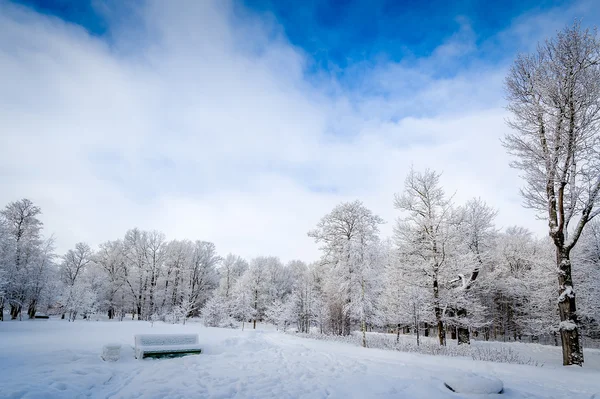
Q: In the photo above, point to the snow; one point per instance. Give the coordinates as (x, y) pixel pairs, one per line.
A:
(567, 325)
(58, 359)
(567, 293)
(111, 352)
(471, 383)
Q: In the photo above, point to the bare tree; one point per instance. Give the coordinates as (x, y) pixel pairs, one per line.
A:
(425, 236)
(478, 232)
(554, 98)
(111, 259)
(345, 235)
(74, 262)
(24, 243)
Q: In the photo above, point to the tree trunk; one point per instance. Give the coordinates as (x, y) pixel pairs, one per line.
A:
(416, 321)
(254, 324)
(363, 324)
(15, 310)
(364, 333)
(453, 335)
(31, 309)
(569, 333)
(2, 311)
(346, 323)
(426, 331)
(441, 333)
(463, 332)
(438, 313)
(463, 336)
(398, 334)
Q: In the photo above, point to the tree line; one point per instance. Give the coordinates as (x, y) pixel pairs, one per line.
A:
(446, 270)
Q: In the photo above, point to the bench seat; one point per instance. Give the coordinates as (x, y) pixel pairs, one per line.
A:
(166, 345)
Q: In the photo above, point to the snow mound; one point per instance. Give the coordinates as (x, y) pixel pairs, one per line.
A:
(474, 384)
(111, 352)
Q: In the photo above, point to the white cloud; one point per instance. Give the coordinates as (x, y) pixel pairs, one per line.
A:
(204, 127)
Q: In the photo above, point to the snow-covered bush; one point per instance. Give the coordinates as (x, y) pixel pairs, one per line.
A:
(389, 342)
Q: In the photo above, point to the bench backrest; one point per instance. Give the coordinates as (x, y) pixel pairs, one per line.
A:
(165, 339)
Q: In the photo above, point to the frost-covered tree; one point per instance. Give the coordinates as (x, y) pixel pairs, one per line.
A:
(110, 258)
(186, 307)
(346, 235)
(231, 269)
(75, 262)
(243, 300)
(259, 284)
(155, 254)
(366, 284)
(427, 239)
(41, 274)
(135, 244)
(554, 99)
(478, 234)
(77, 295)
(280, 313)
(26, 257)
(178, 256)
(215, 312)
(305, 305)
(202, 272)
(77, 299)
(404, 302)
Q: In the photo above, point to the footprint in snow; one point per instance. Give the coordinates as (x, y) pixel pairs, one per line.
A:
(61, 386)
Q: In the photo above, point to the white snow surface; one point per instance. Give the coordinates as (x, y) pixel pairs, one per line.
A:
(57, 359)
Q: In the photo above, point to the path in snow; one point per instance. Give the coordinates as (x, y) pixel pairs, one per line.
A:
(57, 359)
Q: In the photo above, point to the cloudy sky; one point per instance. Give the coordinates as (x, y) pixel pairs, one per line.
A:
(243, 123)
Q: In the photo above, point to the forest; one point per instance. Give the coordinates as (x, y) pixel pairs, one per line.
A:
(476, 280)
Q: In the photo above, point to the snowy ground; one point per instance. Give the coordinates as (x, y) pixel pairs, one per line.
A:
(56, 359)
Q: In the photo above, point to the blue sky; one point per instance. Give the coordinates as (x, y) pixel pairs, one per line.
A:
(337, 34)
(243, 123)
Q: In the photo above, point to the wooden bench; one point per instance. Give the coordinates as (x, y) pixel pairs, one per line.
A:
(166, 345)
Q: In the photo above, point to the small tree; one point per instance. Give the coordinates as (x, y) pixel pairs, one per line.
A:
(214, 312)
(242, 303)
(186, 308)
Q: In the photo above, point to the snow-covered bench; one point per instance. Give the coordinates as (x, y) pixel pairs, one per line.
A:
(166, 345)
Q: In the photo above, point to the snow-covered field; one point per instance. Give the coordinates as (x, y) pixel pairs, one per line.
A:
(56, 359)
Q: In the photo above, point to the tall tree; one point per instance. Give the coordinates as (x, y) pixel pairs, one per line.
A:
(76, 295)
(478, 234)
(232, 268)
(346, 235)
(23, 246)
(110, 258)
(554, 99)
(427, 236)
